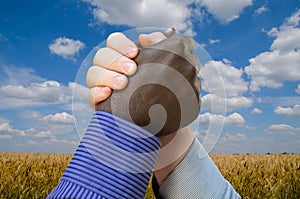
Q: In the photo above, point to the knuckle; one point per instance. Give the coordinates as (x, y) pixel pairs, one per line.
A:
(100, 54)
(114, 35)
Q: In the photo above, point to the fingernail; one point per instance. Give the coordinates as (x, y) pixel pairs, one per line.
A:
(104, 89)
(129, 68)
(120, 82)
(131, 52)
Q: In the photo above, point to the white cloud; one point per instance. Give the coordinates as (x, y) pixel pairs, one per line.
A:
(214, 41)
(165, 13)
(225, 89)
(261, 10)
(226, 61)
(32, 132)
(234, 119)
(43, 134)
(282, 129)
(58, 118)
(212, 102)
(230, 79)
(63, 117)
(45, 92)
(20, 91)
(272, 68)
(226, 11)
(256, 111)
(5, 137)
(5, 127)
(290, 111)
(65, 47)
(154, 13)
(297, 90)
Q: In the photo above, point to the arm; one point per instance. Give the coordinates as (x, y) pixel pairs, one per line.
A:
(183, 153)
(114, 160)
(196, 176)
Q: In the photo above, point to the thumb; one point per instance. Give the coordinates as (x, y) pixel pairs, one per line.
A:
(147, 40)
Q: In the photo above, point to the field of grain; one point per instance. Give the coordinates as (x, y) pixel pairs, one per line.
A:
(30, 175)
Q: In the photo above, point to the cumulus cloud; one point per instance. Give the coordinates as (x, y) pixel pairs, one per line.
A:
(230, 79)
(225, 89)
(234, 119)
(53, 125)
(212, 102)
(226, 11)
(36, 93)
(165, 13)
(289, 111)
(256, 111)
(272, 68)
(155, 13)
(282, 129)
(66, 47)
(63, 117)
(58, 118)
(40, 93)
(7, 128)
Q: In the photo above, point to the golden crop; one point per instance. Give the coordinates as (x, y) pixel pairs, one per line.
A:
(33, 175)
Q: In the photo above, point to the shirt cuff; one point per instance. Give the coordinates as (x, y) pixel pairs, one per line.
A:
(115, 159)
(196, 176)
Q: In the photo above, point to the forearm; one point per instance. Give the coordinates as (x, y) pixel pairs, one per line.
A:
(196, 176)
(173, 149)
(114, 160)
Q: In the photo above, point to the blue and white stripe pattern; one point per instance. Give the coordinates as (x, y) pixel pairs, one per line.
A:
(114, 160)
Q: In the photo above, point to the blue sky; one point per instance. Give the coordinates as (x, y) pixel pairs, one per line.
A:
(254, 44)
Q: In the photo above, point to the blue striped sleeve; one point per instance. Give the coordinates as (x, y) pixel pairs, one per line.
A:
(115, 159)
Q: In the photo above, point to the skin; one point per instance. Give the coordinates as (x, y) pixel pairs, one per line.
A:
(111, 67)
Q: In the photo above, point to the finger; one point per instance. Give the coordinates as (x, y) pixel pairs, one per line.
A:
(98, 94)
(98, 76)
(119, 42)
(147, 40)
(113, 60)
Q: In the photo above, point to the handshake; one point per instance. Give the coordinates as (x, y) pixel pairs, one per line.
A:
(162, 97)
(163, 94)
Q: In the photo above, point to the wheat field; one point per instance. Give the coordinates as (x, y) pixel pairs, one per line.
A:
(33, 175)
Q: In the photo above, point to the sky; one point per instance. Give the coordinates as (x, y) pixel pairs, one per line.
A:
(252, 78)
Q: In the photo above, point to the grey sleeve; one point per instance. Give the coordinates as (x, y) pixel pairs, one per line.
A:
(195, 177)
